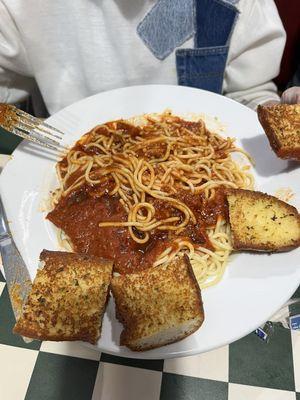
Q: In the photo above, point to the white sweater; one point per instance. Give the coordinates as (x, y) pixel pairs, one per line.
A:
(75, 48)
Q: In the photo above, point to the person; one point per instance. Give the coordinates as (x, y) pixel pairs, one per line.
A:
(291, 95)
(64, 51)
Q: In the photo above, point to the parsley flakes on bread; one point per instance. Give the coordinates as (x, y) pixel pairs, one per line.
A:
(281, 124)
(68, 298)
(158, 306)
(262, 222)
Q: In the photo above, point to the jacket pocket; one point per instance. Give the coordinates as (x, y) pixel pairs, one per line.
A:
(202, 68)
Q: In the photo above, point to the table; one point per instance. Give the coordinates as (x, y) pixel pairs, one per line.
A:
(245, 370)
(8, 142)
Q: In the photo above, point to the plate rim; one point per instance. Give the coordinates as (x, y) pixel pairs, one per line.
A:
(147, 354)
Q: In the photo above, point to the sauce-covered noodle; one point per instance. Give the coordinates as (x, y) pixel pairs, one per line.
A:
(142, 194)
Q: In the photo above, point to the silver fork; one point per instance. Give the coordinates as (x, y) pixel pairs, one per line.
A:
(30, 128)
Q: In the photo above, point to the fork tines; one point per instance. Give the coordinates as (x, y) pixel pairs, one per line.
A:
(31, 128)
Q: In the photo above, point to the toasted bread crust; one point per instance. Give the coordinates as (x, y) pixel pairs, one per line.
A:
(68, 298)
(133, 347)
(262, 237)
(155, 300)
(281, 124)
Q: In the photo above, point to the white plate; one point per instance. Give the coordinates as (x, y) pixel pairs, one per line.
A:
(254, 285)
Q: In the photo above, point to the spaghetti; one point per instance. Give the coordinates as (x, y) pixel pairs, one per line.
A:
(150, 191)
